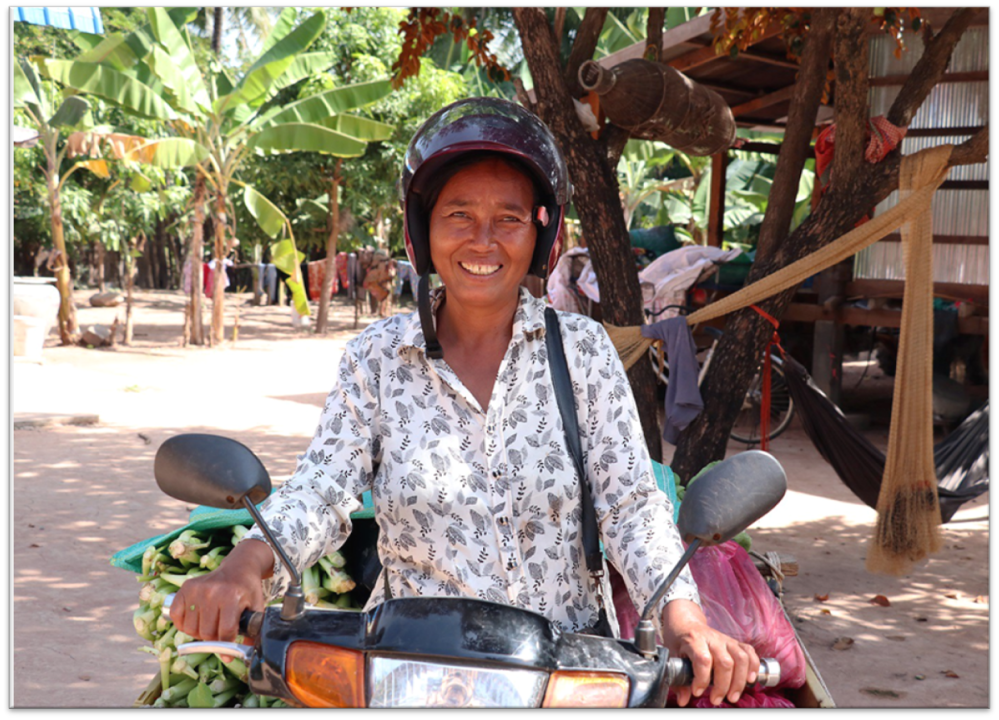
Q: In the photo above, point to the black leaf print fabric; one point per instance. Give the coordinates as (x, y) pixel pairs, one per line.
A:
(481, 503)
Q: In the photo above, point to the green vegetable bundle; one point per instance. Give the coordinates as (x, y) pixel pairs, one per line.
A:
(202, 680)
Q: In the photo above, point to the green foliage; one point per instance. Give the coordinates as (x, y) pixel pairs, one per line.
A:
(365, 43)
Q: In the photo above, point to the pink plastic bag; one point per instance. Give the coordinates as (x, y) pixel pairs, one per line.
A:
(738, 602)
(749, 699)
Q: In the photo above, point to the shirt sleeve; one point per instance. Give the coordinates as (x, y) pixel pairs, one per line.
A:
(635, 516)
(310, 513)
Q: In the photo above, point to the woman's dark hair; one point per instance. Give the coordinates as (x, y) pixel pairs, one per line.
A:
(432, 189)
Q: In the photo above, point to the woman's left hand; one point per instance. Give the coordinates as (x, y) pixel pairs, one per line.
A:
(720, 661)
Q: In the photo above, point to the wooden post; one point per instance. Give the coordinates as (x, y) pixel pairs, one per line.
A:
(827, 353)
(716, 205)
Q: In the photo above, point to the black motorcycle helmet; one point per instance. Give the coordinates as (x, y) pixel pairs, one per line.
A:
(485, 125)
(480, 125)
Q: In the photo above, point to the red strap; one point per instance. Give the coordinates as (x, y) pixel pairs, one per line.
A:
(765, 399)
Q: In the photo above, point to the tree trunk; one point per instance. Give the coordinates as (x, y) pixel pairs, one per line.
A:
(99, 262)
(69, 331)
(194, 258)
(741, 349)
(217, 31)
(596, 194)
(330, 268)
(161, 280)
(131, 249)
(218, 293)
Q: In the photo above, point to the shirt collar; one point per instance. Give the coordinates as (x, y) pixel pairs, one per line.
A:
(528, 320)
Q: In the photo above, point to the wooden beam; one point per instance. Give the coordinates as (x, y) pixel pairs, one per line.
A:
(768, 59)
(716, 204)
(945, 239)
(965, 185)
(671, 38)
(896, 288)
(779, 96)
(955, 77)
(942, 132)
(725, 88)
(880, 317)
(704, 55)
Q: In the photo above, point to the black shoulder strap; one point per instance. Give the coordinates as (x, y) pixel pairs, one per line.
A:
(567, 408)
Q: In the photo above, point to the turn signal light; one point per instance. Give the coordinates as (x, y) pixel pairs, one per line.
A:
(325, 675)
(568, 689)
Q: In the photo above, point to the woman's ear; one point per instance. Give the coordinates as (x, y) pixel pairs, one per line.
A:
(541, 215)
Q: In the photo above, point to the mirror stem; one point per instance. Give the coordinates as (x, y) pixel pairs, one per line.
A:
(294, 599)
(645, 633)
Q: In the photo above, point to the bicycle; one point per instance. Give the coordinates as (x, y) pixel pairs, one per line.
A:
(747, 425)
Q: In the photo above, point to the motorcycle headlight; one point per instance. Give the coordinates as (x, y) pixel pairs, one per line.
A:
(411, 683)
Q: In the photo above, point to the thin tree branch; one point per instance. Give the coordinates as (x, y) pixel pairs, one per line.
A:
(797, 138)
(654, 33)
(559, 24)
(973, 150)
(615, 138)
(583, 47)
(926, 74)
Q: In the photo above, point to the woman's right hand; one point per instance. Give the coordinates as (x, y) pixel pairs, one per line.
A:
(208, 607)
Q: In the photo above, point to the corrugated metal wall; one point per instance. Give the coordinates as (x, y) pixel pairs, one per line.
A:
(955, 212)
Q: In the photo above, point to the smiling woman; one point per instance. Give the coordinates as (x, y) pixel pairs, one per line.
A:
(448, 417)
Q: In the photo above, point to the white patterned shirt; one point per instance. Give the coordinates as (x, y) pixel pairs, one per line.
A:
(482, 503)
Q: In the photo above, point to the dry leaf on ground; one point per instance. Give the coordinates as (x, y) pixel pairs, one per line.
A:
(950, 674)
(982, 599)
(842, 643)
(952, 595)
(821, 598)
(880, 600)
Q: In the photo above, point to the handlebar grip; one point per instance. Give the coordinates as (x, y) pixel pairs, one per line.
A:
(680, 672)
(250, 622)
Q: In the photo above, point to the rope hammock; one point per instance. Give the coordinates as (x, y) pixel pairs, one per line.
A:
(907, 505)
(961, 459)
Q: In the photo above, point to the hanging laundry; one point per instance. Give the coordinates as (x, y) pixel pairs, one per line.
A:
(405, 272)
(683, 396)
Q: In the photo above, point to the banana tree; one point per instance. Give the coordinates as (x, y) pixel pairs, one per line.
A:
(37, 102)
(217, 121)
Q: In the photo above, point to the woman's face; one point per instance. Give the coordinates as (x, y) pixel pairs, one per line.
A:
(481, 234)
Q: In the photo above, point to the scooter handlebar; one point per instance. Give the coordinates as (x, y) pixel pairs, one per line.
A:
(249, 622)
(680, 672)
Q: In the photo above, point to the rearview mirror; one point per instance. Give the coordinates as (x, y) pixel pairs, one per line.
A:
(210, 470)
(731, 496)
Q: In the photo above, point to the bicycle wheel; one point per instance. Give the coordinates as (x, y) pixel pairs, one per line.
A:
(662, 377)
(747, 422)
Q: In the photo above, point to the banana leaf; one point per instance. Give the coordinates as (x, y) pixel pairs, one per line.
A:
(273, 63)
(26, 90)
(288, 260)
(291, 137)
(268, 216)
(110, 84)
(359, 127)
(169, 36)
(169, 153)
(318, 107)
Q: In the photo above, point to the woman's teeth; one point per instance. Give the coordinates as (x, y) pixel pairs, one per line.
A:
(480, 269)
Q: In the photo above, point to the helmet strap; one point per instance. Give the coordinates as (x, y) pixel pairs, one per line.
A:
(434, 349)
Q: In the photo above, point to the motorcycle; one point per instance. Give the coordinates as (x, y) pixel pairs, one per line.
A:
(455, 652)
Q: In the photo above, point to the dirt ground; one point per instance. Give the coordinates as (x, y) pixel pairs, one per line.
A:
(82, 492)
